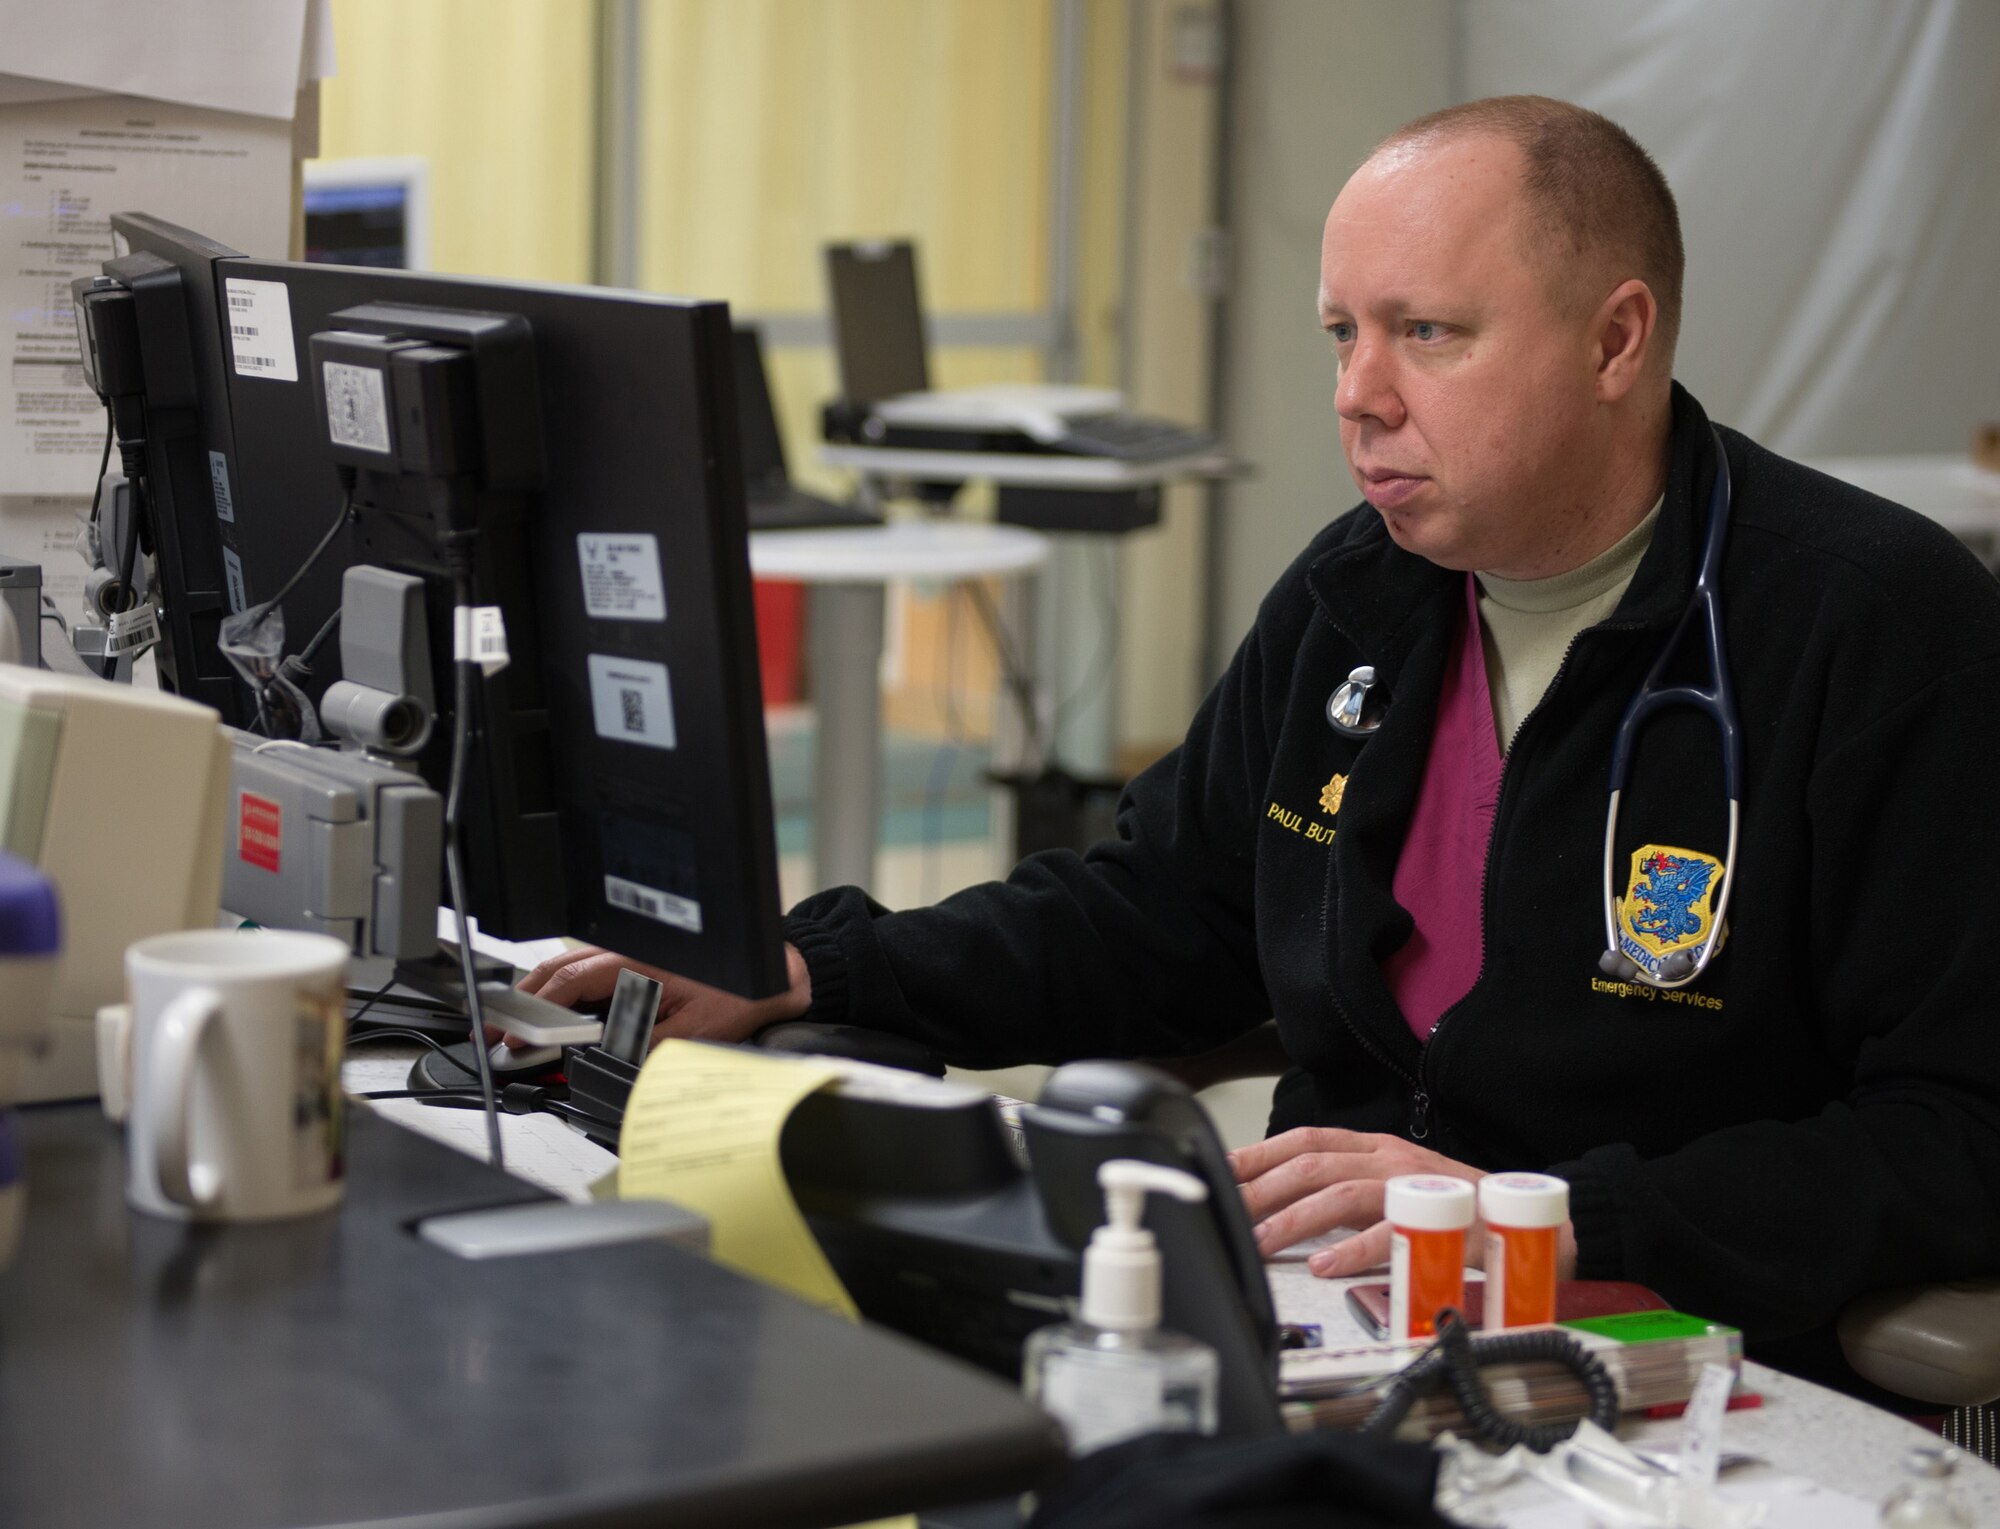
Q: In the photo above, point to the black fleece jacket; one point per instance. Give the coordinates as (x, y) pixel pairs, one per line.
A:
(1817, 1115)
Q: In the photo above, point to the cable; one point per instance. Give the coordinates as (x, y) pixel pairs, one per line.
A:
(264, 608)
(1012, 670)
(103, 462)
(392, 1033)
(304, 658)
(1455, 1359)
(454, 862)
(381, 992)
(257, 614)
(300, 663)
(945, 695)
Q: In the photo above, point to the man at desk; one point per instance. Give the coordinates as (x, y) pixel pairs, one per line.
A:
(1759, 1117)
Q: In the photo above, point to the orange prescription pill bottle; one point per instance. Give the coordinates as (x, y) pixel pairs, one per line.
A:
(1427, 1215)
(1524, 1213)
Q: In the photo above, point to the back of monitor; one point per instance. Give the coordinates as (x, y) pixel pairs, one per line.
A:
(118, 795)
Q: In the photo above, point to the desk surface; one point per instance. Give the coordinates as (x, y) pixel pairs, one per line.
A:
(1803, 1430)
(337, 1370)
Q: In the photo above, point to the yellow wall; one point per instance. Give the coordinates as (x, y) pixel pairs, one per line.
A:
(774, 126)
(767, 129)
(500, 97)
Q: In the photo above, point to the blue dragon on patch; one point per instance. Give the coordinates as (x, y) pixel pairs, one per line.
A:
(1664, 899)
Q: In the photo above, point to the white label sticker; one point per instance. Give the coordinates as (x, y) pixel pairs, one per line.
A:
(632, 701)
(621, 576)
(132, 631)
(232, 568)
(479, 633)
(357, 406)
(1399, 1287)
(665, 907)
(218, 477)
(1100, 1403)
(260, 329)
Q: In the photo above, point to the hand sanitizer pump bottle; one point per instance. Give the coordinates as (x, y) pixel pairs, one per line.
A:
(1115, 1373)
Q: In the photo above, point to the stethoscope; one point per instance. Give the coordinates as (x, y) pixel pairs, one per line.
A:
(1355, 711)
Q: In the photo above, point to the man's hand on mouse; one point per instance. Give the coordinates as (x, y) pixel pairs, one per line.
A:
(1304, 1182)
(689, 1010)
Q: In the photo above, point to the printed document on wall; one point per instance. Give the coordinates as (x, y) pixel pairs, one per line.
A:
(65, 167)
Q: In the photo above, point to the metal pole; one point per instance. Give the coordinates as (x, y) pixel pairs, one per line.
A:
(1216, 644)
(847, 622)
(1065, 178)
(615, 251)
(1071, 613)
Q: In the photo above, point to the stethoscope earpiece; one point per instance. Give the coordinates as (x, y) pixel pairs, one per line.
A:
(1619, 968)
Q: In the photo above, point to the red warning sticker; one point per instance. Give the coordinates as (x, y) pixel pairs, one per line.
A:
(259, 831)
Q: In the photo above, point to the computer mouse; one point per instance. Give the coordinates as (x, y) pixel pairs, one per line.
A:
(504, 1058)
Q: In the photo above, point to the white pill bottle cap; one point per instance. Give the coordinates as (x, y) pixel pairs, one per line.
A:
(1121, 1267)
(1428, 1202)
(1525, 1200)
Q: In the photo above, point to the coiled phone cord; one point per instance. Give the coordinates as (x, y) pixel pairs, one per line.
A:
(1456, 1358)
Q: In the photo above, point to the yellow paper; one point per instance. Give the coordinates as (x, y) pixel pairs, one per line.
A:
(701, 1129)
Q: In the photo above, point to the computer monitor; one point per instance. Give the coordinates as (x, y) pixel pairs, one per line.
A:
(369, 211)
(757, 420)
(617, 788)
(878, 320)
(774, 503)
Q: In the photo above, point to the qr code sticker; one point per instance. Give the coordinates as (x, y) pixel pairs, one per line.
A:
(632, 707)
(357, 412)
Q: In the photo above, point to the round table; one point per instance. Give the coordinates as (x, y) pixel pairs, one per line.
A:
(851, 567)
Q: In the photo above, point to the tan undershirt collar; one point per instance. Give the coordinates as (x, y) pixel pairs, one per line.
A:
(1565, 591)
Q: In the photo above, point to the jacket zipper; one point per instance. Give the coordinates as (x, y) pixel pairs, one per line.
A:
(1421, 1116)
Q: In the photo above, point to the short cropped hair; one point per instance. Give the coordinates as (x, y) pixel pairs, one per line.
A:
(1591, 191)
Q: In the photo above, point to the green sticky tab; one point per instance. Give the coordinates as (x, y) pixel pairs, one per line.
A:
(1646, 1326)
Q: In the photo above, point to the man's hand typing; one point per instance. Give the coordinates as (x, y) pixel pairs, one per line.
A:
(1303, 1183)
(688, 1010)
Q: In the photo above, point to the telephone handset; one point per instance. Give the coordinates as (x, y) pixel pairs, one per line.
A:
(939, 1230)
(1215, 1288)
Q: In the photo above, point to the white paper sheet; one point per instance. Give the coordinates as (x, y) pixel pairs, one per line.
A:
(42, 529)
(228, 55)
(16, 89)
(65, 167)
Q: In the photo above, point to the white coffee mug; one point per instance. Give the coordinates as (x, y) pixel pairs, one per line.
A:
(236, 1108)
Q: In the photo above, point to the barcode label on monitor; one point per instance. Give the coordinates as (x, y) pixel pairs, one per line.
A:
(260, 329)
(632, 701)
(662, 907)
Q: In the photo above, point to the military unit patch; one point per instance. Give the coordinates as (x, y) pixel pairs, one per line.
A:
(1667, 906)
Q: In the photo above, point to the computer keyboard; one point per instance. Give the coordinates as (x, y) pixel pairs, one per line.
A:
(1132, 437)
